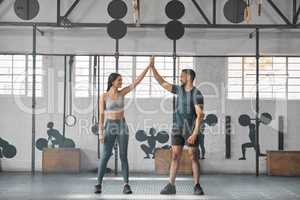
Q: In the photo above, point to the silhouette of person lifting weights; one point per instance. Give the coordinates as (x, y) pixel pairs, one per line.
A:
(245, 120)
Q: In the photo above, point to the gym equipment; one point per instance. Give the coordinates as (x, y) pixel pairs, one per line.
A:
(7, 150)
(163, 158)
(211, 120)
(61, 160)
(55, 138)
(259, 7)
(95, 123)
(175, 9)
(248, 13)
(174, 30)
(283, 163)
(117, 29)
(26, 9)
(117, 9)
(136, 11)
(234, 10)
(245, 120)
(227, 137)
(280, 133)
(70, 119)
(161, 137)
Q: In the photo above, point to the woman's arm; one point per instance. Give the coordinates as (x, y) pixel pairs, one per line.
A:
(129, 88)
(101, 118)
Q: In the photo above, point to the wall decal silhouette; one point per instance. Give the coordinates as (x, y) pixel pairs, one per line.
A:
(7, 150)
(245, 120)
(209, 120)
(153, 137)
(55, 139)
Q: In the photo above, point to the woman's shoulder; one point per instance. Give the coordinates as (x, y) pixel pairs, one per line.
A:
(103, 95)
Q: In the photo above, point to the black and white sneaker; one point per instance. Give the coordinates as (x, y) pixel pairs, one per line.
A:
(98, 189)
(127, 189)
(168, 189)
(198, 190)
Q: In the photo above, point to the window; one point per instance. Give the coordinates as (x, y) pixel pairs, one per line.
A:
(279, 77)
(294, 78)
(16, 75)
(242, 77)
(84, 73)
(129, 67)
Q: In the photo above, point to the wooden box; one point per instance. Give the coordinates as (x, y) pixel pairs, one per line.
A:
(65, 160)
(163, 162)
(283, 163)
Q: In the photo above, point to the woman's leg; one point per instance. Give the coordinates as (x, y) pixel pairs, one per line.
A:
(109, 141)
(123, 138)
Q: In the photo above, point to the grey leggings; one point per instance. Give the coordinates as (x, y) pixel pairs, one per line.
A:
(114, 130)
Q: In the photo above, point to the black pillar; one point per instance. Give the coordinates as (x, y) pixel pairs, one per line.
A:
(257, 104)
(33, 99)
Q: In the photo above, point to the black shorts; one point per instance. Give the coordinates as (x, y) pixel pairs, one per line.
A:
(180, 137)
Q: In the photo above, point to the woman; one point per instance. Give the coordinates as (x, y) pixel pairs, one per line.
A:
(115, 128)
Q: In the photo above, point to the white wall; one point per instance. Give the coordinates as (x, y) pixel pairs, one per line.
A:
(15, 123)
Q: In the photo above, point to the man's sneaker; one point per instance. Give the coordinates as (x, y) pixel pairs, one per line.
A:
(198, 190)
(168, 189)
(127, 189)
(98, 189)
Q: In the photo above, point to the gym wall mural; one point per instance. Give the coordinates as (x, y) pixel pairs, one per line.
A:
(245, 120)
(55, 139)
(7, 150)
(162, 137)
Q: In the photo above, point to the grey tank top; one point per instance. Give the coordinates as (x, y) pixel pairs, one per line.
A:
(114, 105)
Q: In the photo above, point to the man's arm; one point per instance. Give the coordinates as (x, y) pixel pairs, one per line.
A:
(160, 80)
(199, 118)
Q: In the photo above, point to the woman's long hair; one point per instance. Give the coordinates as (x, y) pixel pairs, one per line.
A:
(112, 77)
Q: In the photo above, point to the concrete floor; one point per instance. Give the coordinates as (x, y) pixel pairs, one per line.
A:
(80, 186)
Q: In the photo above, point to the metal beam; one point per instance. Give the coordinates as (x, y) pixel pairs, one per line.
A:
(295, 18)
(201, 11)
(58, 13)
(200, 26)
(287, 21)
(214, 11)
(71, 8)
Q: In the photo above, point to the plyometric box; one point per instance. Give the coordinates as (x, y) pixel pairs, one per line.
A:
(65, 160)
(283, 163)
(163, 162)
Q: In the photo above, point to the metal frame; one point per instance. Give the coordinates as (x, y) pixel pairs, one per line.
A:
(288, 25)
(63, 21)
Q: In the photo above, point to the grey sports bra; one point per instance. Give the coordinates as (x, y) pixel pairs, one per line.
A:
(114, 105)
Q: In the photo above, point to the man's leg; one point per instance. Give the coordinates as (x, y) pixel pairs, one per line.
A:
(176, 155)
(194, 155)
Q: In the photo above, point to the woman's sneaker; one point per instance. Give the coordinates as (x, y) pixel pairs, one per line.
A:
(98, 189)
(168, 189)
(127, 189)
(198, 190)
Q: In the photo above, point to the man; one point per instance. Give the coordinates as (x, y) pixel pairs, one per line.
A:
(186, 127)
